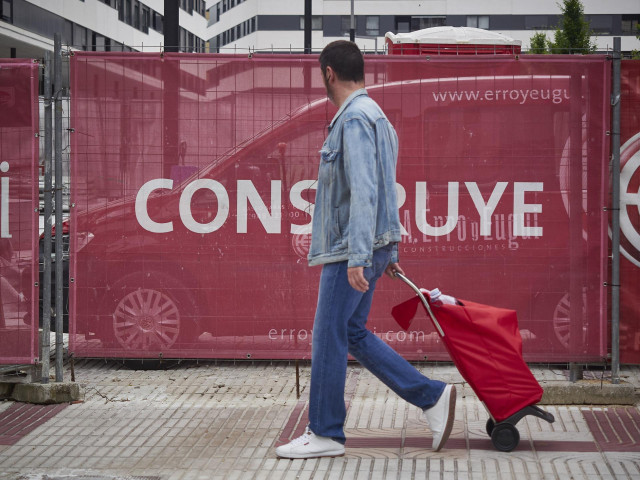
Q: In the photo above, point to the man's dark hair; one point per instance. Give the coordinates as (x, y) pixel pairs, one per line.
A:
(345, 58)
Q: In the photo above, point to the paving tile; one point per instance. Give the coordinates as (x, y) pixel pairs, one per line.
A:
(223, 420)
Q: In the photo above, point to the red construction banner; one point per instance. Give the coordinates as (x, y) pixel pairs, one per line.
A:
(18, 211)
(194, 178)
(630, 213)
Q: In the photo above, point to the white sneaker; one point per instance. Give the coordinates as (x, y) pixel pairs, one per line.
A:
(440, 417)
(309, 445)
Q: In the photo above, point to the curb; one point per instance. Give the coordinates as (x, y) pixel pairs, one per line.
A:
(588, 392)
(44, 394)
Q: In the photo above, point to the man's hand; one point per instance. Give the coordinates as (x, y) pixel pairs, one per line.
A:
(392, 269)
(357, 280)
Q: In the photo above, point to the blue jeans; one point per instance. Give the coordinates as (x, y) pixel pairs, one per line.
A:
(340, 327)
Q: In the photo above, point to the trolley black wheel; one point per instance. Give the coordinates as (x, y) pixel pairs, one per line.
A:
(490, 425)
(505, 437)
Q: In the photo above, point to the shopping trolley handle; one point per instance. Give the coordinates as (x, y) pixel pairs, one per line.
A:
(406, 280)
(424, 300)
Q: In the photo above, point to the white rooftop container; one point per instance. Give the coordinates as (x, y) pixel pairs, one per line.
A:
(451, 41)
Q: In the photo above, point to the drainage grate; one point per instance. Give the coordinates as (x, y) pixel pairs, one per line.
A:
(21, 419)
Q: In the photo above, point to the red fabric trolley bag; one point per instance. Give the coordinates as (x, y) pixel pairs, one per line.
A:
(485, 344)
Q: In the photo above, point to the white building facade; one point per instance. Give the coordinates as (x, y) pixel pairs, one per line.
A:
(263, 25)
(27, 27)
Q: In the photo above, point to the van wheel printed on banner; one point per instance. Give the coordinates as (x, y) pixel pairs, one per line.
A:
(629, 199)
(150, 318)
(145, 319)
(562, 321)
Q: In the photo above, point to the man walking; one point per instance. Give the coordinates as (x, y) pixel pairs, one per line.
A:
(355, 235)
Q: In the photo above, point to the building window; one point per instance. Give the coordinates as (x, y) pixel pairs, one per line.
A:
(538, 22)
(156, 22)
(121, 10)
(201, 7)
(146, 19)
(136, 15)
(234, 33)
(6, 11)
(478, 21)
(600, 24)
(316, 22)
(420, 23)
(79, 37)
(630, 24)
(67, 33)
(345, 27)
(98, 43)
(183, 40)
(403, 24)
(127, 12)
(373, 25)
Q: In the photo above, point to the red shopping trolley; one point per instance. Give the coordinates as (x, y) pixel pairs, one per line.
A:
(485, 344)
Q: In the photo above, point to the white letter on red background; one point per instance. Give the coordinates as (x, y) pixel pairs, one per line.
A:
(4, 202)
(185, 205)
(295, 196)
(401, 195)
(270, 221)
(421, 210)
(141, 206)
(485, 210)
(520, 208)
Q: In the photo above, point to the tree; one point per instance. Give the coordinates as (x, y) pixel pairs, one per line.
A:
(539, 43)
(635, 54)
(573, 34)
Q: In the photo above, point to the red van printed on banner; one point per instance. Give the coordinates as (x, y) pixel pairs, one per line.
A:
(203, 254)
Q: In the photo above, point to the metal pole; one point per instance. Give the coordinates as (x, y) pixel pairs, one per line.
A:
(171, 89)
(57, 80)
(615, 216)
(297, 379)
(307, 26)
(352, 29)
(45, 347)
(171, 26)
(576, 252)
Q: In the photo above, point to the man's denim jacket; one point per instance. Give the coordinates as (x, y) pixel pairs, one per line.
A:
(356, 209)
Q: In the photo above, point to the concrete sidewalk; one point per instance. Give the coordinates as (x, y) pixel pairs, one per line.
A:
(203, 420)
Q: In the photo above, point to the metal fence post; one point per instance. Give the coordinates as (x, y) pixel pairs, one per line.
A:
(307, 26)
(57, 75)
(352, 25)
(45, 347)
(615, 215)
(576, 308)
